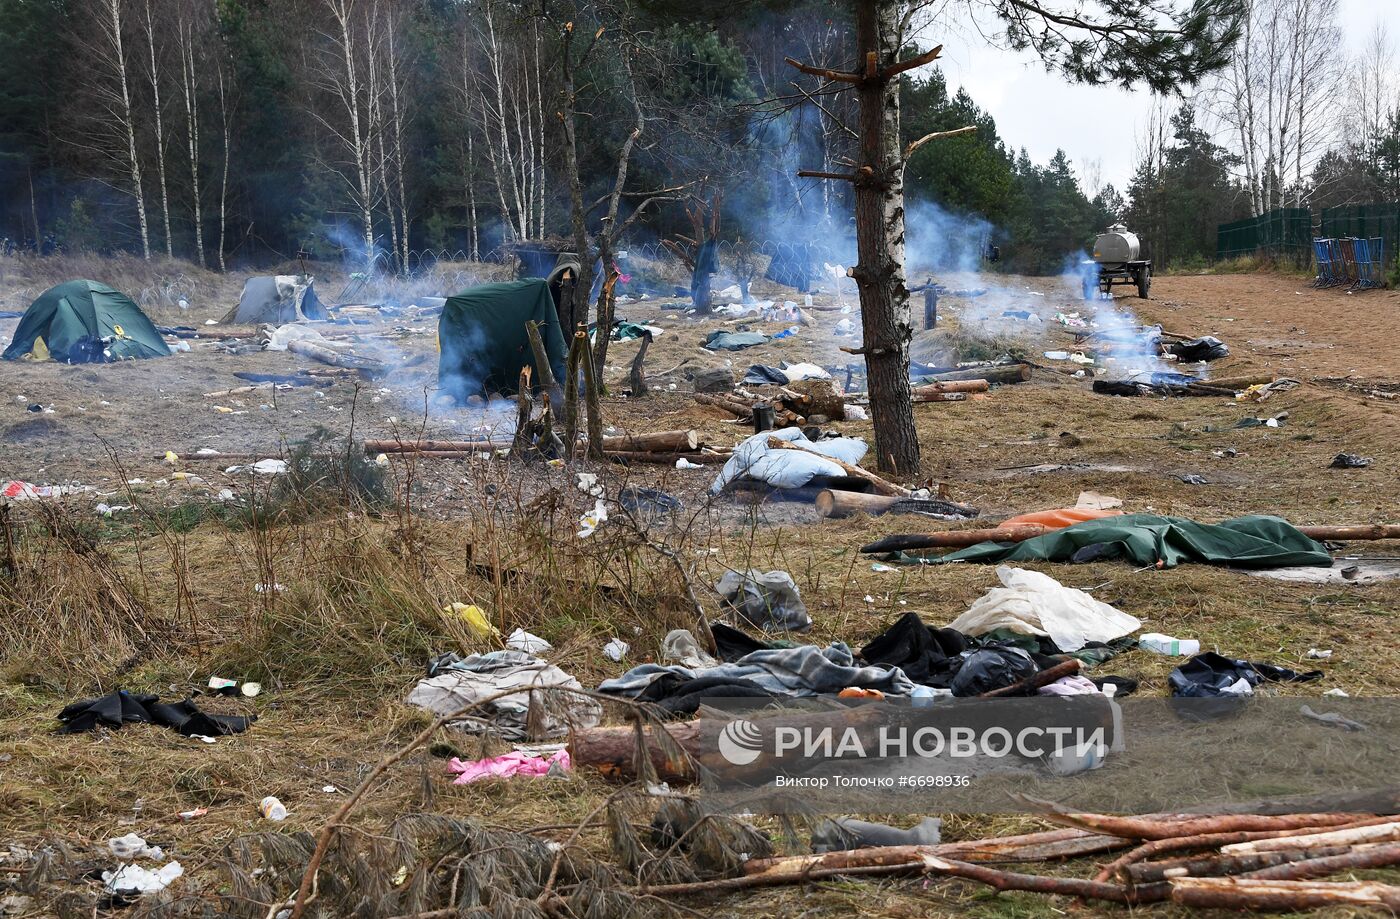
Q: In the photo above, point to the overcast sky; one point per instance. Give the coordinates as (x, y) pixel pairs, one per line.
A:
(1042, 112)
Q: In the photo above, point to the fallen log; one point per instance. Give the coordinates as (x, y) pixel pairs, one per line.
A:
(882, 486)
(1380, 832)
(1144, 828)
(919, 398)
(1001, 375)
(1318, 865)
(238, 390)
(1283, 896)
(979, 384)
(836, 504)
(955, 539)
(1240, 382)
(1209, 841)
(656, 442)
(1219, 865)
(959, 539)
(730, 404)
(1036, 680)
(336, 358)
(694, 745)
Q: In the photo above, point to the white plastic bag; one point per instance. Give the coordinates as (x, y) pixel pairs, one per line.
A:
(1031, 603)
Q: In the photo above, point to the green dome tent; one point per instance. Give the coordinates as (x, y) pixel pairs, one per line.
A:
(103, 324)
(483, 341)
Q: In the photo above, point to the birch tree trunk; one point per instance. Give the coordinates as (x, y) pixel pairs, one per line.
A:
(189, 81)
(879, 274)
(158, 112)
(113, 29)
(578, 308)
(223, 185)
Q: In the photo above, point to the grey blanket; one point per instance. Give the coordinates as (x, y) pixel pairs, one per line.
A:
(798, 672)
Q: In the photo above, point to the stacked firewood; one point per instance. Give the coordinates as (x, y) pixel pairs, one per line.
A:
(742, 408)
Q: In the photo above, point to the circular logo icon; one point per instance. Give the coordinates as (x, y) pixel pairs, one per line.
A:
(739, 742)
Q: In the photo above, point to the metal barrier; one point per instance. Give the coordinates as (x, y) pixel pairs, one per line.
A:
(1356, 262)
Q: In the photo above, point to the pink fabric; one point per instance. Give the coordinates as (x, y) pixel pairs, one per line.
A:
(506, 765)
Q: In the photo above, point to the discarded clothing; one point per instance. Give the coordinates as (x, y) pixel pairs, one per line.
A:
(507, 765)
(721, 340)
(1255, 541)
(766, 600)
(1032, 603)
(798, 672)
(1212, 675)
(1349, 461)
(648, 501)
(761, 374)
(927, 656)
(732, 644)
(849, 833)
(992, 668)
(121, 707)
(455, 684)
(1149, 383)
(1206, 348)
(782, 468)
(678, 695)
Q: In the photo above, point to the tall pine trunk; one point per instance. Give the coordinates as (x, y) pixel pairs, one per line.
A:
(879, 191)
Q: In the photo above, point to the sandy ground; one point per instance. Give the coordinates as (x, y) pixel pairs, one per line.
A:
(1024, 448)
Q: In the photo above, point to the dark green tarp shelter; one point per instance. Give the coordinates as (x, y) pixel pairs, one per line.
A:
(91, 316)
(483, 341)
(1255, 541)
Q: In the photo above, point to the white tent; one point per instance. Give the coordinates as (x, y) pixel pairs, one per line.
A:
(277, 299)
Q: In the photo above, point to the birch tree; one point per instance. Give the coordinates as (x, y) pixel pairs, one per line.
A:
(153, 76)
(339, 74)
(193, 33)
(112, 132)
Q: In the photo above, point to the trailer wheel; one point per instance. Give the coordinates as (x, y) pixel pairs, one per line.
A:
(1144, 281)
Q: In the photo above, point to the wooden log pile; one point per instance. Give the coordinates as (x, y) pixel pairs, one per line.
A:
(1275, 863)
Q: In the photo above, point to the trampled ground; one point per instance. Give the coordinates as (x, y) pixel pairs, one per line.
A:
(160, 601)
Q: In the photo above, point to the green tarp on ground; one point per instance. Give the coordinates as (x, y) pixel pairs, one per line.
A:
(91, 313)
(1256, 541)
(483, 340)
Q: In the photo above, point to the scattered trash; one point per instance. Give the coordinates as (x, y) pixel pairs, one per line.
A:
(133, 880)
(616, 649)
(1158, 643)
(1318, 654)
(857, 413)
(848, 833)
(680, 646)
(261, 467)
(1031, 603)
(521, 640)
(987, 669)
(767, 600)
(648, 501)
(272, 809)
(684, 463)
(1335, 719)
(131, 846)
(1206, 348)
(881, 568)
(509, 764)
(456, 683)
(475, 618)
(1339, 693)
(1349, 461)
(1212, 675)
(1274, 422)
(588, 523)
(195, 814)
(1191, 478)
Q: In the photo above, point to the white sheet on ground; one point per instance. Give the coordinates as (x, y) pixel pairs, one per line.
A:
(1032, 603)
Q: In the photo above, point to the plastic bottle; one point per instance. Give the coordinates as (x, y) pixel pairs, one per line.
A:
(272, 809)
(1158, 643)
